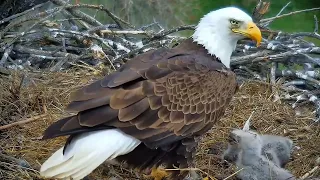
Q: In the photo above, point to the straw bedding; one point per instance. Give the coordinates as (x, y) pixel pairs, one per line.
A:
(43, 96)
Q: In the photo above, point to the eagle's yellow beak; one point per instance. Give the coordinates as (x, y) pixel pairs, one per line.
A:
(252, 31)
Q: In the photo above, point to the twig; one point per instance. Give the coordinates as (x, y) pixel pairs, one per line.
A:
(54, 11)
(316, 101)
(260, 10)
(145, 27)
(316, 24)
(116, 19)
(174, 30)
(86, 66)
(20, 14)
(279, 13)
(77, 13)
(59, 64)
(37, 17)
(283, 8)
(260, 55)
(5, 55)
(309, 173)
(298, 73)
(273, 81)
(308, 34)
(254, 74)
(101, 40)
(103, 27)
(306, 96)
(23, 49)
(102, 8)
(307, 75)
(113, 17)
(101, 55)
(116, 60)
(68, 19)
(264, 55)
(289, 14)
(233, 174)
(107, 31)
(23, 121)
(295, 82)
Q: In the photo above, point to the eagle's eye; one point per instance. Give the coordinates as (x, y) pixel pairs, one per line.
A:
(234, 22)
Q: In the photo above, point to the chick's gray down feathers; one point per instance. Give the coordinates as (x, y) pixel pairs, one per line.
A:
(277, 149)
(250, 152)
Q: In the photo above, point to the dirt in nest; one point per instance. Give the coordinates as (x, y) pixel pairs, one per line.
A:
(22, 151)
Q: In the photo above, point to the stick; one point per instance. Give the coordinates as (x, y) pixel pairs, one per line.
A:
(307, 34)
(23, 49)
(89, 19)
(316, 26)
(233, 174)
(309, 173)
(5, 55)
(20, 14)
(307, 75)
(174, 30)
(289, 14)
(77, 13)
(273, 81)
(265, 55)
(22, 121)
(51, 14)
(254, 74)
(283, 8)
(118, 59)
(107, 31)
(260, 9)
(103, 27)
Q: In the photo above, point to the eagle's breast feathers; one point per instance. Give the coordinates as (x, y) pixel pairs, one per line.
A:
(165, 98)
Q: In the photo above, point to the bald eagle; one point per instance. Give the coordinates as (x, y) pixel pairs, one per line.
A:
(154, 109)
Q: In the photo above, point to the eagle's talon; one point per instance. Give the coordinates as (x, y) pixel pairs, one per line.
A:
(157, 174)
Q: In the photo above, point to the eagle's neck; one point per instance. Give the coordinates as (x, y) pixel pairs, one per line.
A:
(216, 43)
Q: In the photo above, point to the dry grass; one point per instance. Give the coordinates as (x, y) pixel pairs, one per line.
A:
(269, 117)
(48, 93)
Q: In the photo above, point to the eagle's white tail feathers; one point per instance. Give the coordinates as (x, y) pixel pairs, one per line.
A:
(86, 152)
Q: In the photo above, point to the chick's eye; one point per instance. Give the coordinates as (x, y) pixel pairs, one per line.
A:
(232, 139)
(234, 22)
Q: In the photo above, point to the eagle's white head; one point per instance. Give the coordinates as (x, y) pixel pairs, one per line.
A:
(220, 30)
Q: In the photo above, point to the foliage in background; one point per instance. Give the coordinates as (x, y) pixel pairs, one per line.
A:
(170, 13)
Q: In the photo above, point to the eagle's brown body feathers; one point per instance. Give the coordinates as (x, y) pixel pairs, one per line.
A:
(166, 98)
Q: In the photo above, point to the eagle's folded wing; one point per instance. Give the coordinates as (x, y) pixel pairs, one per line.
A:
(158, 97)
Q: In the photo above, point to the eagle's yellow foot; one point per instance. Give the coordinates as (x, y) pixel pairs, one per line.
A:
(158, 174)
(206, 178)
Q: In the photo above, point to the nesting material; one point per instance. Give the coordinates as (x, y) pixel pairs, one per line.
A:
(48, 93)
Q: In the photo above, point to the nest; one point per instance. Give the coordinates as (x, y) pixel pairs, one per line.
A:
(43, 96)
(55, 57)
